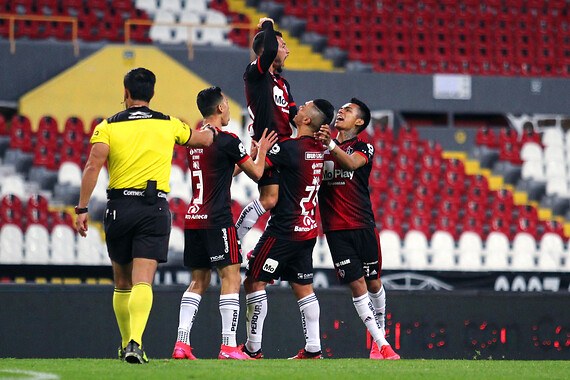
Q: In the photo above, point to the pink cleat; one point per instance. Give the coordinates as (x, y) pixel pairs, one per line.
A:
(182, 351)
(304, 354)
(229, 352)
(383, 353)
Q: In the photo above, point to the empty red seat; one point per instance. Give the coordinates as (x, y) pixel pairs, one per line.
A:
(47, 133)
(21, 133)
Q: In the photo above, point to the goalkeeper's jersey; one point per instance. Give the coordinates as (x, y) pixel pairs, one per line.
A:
(344, 197)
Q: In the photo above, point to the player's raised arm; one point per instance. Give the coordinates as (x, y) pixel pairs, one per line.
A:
(254, 169)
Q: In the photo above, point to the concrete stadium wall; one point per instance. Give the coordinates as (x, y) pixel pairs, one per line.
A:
(36, 62)
(55, 321)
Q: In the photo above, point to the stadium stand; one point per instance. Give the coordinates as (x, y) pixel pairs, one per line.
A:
(422, 226)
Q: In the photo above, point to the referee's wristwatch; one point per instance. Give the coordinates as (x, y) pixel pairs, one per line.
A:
(81, 210)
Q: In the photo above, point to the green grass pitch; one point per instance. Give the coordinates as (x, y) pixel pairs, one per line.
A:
(328, 369)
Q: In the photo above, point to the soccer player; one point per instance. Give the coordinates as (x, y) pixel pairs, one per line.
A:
(348, 220)
(209, 233)
(285, 249)
(138, 145)
(270, 105)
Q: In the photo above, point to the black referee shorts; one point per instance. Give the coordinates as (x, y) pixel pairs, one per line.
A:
(135, 229)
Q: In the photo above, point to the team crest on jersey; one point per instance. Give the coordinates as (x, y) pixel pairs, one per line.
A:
(349, 150)
(242, 150)
(275, 149)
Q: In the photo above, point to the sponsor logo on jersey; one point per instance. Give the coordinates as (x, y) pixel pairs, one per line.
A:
(329, 170)
(311, 156)
(216, 258)
(275, 149)
(304, 276)
(139, 115)
(196, 151)
(279, 97)
(270, 265)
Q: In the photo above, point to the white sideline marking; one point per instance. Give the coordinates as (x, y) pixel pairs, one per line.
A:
(32, 375)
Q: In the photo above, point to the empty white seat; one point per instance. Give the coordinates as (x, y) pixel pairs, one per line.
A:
(69, 173)
(174, 6)
(11, 244)
(197, 6)
(531, 151)
(415, 250)
(523, 252)
(177, 176)
(163, 28)
(553, 136)
(442, 251)
(215, 29)
(390, 244)
(91, 250)
(469, 248)
(557, 186)
(551, 244)
(176, 241)
(37, 244)
(62, 245)
(554, 153)
(13, 184)
(148, 5)
(555, 169)
(100, 190)
(497, 250)
(533, 169)
(189, 29)
(322, 254)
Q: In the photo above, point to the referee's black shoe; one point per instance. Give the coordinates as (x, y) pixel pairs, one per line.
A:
(134, 354)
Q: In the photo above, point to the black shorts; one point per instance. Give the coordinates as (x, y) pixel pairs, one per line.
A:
(270, 177)
(355, 253)
(135, 229)
(275, 258)
(211, 248)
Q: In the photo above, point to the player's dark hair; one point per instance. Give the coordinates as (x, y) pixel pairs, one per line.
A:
(208, 99)
(258, 40)
(140, 83)
(327, 110)
(363, 113)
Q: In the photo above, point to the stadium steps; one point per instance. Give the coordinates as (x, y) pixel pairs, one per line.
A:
(497, 182)
(302, 56)
(74, 100)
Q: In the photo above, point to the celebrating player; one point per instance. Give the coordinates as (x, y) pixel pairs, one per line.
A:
(210, 236)
(348, 220)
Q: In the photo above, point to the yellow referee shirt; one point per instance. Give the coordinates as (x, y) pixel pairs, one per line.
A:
(141, 142)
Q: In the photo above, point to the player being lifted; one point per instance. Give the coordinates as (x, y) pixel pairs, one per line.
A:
(270, 105)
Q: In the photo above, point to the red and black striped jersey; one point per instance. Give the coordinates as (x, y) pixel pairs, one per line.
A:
(300, 165)
(344, 198)
(212, 170)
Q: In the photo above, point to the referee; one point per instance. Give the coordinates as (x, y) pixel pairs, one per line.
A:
(137, 144)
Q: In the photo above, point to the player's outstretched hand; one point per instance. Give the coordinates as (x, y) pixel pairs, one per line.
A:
(267, 140)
